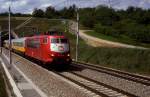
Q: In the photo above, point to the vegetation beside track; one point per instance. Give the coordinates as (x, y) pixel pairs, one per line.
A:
(131, 60)
(14, 22)
(121, 39)
(131, 23)
(37, 26)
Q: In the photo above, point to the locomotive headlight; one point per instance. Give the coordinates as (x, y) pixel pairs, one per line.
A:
(52, 55)
(68, 55)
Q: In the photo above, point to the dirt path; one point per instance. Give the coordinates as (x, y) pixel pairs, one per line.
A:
(97, 42)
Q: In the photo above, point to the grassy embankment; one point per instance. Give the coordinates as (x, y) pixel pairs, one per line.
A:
(14, 22)
(37, 25)
(131, 60)
(121, 39)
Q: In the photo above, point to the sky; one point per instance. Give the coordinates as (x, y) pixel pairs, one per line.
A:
(27, 6)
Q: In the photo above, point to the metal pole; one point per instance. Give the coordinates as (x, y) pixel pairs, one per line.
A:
(109, 3)
(1, 42)
(77, 40)
(10, 57)
(65, 25)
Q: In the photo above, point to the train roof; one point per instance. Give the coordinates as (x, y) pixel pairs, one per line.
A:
(19, 39)
(16, 39)
(41, 36)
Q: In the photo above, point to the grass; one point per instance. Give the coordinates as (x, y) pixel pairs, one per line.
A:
(3, 92)
(131, 60)
(14, 23)
(38, 25)
(121, 39)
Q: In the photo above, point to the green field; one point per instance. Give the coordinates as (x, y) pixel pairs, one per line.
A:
(122, 39)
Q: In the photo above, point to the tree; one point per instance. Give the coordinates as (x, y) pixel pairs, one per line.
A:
(87, 17)
(68, 13)
(4, 14)
(50, 12)
(38, 13)
(106, 16)
(107, 30)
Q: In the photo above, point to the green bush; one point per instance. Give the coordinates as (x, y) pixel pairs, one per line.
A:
(129, 28)
(106, 30)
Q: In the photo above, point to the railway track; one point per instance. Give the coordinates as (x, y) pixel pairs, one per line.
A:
(96, 87)
(125, 75)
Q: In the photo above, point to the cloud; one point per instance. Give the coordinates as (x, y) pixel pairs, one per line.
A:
(27, 6)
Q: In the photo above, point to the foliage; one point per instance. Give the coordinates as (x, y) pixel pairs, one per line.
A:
(133, 22)
(68, 13)
(106, 16)
(38, 13)
(107, 30)
(14, 14)
(87, 17)
(50, 12)
(131, 60)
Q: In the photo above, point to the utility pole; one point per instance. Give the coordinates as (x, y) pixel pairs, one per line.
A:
(0, 40)
(77, 33)
(109, 3)
(10, 56)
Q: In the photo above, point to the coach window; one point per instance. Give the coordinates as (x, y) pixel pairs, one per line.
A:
(45, 40)
(30, 43)
(36, 43)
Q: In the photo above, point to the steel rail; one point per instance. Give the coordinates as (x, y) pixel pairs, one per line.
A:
(82, 85)
(121, 74)
(105, 85)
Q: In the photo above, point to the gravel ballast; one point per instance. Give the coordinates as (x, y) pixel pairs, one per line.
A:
(123, 84)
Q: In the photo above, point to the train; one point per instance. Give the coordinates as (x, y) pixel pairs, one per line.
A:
(48, 48)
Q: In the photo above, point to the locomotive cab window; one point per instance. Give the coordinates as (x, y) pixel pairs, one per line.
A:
(54, 40)
(59, 40)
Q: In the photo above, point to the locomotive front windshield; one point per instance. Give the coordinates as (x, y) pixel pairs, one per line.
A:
(59, 45)
(59, 40)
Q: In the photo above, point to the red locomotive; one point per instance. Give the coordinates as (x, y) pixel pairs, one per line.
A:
(48, 48)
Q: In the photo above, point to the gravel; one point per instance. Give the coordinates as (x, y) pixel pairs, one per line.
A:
(126, 85)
